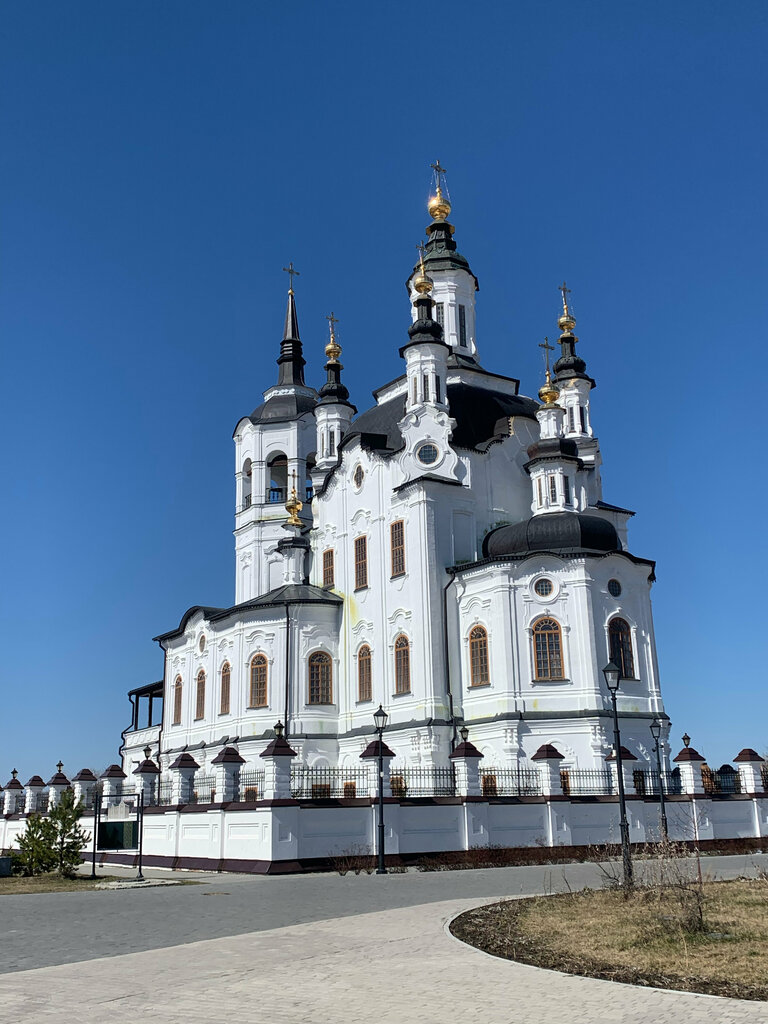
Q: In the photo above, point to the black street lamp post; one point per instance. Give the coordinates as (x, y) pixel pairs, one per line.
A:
(656, 733)
(612, 673)
(380, 720)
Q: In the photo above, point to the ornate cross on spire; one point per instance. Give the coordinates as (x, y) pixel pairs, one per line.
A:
(547, 349)
(294, 273)
(439, 172)
(566, 292)
(422, 249)
(332, 320)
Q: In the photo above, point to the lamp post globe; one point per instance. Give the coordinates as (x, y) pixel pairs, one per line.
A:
(380, 717)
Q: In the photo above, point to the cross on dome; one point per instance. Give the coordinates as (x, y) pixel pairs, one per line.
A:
(294, 273)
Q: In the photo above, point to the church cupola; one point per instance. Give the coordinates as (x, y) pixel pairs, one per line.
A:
(427, 427)
(334, 411)
(554, 466)
(291, 360)
(454, 284)
(570, 374)
(294, 547)
(426, 354)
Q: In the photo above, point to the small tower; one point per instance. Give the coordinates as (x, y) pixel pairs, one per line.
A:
(274, 445)
(334, 411)
(554, 465)
(575, 386)
(294, 547)
(571, 377)
(427, 427)
(454, 284)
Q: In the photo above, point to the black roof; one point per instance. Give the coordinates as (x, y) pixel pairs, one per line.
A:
(553, 531)
(283, 407)
(480, 413)
(300, 593)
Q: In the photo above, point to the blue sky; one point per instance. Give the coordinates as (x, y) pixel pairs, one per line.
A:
(160, 164)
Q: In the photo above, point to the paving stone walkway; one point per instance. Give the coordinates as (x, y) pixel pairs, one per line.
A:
(395, 966)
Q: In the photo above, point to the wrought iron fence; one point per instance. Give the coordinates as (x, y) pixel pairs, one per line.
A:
(325, 783)
(646, 782)
(250, 786)
(421, 781)
(586, 782)
(764, 774)
(165, 792)
(726, 781)
(203, 789)
(510, 782)
(39, 803)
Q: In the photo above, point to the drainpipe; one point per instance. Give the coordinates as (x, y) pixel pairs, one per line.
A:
(446, 655)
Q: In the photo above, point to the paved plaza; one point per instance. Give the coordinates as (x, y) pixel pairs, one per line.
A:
(313, 949)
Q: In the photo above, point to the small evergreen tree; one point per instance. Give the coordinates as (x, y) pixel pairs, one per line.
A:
(36, 846)
(68, 838)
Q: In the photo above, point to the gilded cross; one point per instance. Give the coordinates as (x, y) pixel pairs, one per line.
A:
(547, 349)
(294, 273)
(332, 321)
(422, 249)
(439, 172)
(566, 292)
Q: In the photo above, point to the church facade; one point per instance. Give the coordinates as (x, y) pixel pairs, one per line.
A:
(446, 554)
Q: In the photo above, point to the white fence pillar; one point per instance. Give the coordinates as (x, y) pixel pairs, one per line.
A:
(83, 785)
(548, 760)
(277, 766)
(371, 756)
(226, 766)
(749, 764)
(466, 762)
(57, 786)
(690, 762)
(627, 769)
(183, 769)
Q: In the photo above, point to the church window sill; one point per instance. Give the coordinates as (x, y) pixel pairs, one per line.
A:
(397, 575)
(536, 682)
(479, 686)
(402, 693)
(257, 707)
(358, 589)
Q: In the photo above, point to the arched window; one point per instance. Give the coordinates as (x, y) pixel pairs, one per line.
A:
(247, 483)
(177, 691)
(257, 698)
(320, 678)
(402, 665)
(364, 681)
(478, 657)
(200, 696)
(226, 676)
(277, 468)
(548, 649)
(620, 643)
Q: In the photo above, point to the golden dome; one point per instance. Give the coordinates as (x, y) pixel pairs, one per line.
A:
(566, 323)
(333, 350)
(548, 392)
(423, 282)
(293, 506)
(438, 206)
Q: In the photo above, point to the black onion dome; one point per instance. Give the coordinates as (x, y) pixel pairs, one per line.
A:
(553, 448)
(553, 531)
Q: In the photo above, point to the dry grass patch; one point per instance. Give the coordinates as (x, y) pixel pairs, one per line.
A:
(16, 885)
(642, 939)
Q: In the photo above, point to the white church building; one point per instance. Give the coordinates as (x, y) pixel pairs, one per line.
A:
(446, 554)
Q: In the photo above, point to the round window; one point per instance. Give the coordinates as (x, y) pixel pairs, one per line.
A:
(614, 588)
(201, 643)
(543, 587)
(358, 476)
(428, 454)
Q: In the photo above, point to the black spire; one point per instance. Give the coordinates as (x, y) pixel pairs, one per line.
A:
(291, 361)
(569, 365)
(333, 391)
